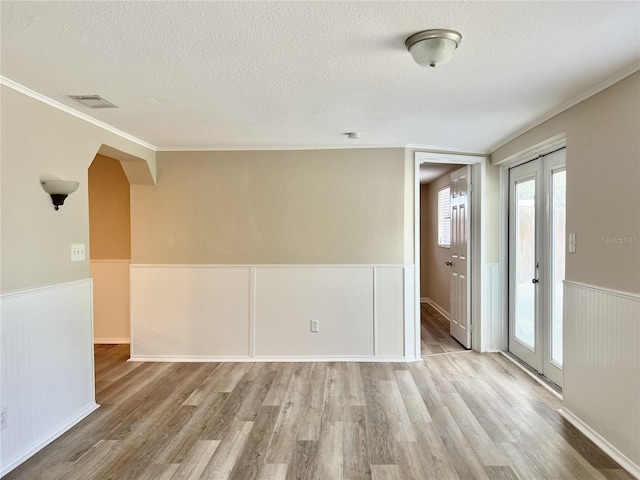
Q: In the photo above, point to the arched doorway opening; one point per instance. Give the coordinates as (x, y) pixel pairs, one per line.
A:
(110, 253)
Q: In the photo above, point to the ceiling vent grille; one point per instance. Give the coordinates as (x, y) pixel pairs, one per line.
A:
(93, 101)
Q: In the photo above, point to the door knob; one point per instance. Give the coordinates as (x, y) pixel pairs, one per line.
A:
(449, 264)
(534, 280)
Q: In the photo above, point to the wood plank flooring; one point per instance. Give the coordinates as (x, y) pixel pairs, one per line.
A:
(434, 332)
(456, 415)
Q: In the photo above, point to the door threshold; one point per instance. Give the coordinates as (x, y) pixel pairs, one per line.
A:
(444, 353)
(538, 377)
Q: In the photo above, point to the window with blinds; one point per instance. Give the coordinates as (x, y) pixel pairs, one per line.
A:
(444, 217)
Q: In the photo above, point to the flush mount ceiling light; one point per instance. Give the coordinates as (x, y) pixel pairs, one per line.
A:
(93, 101)
(433, 47)
(59, 190)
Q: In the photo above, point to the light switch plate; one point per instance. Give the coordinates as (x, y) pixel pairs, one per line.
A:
(4, 417)
(572, 243)
(77, 252)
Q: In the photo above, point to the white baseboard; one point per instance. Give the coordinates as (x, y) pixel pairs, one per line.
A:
(271, 359)
(85, 412)
(437, 307)
(596, 438)
(111, 341)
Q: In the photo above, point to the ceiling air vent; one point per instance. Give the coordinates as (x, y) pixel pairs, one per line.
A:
(93, 101)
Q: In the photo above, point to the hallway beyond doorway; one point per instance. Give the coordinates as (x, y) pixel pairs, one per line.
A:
(435, 335)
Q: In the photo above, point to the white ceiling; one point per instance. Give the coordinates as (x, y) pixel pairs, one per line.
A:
(229, 75)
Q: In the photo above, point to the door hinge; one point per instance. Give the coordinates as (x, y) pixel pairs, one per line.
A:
(470, 187)
(471, 328)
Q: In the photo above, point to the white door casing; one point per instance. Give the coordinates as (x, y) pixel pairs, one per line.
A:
(481, 293)
(460, 325)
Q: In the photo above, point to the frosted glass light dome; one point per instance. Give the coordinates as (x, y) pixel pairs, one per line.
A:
(433, 47)
(59, 187)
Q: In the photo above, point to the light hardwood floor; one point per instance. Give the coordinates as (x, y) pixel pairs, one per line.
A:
(435, 334)
(457, 415)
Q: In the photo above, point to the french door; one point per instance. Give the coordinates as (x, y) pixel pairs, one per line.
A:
(537, 194)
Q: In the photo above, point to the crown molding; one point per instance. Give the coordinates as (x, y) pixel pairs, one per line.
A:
(83, 116)
(589, 93)
(221, 148)
(250, 148)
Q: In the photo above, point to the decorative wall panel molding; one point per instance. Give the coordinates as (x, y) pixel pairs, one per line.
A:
(213, 313)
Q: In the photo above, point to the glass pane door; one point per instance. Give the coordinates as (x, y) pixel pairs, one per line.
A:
(525, 262)
(537, 219)
(558, 236)
(524, 244)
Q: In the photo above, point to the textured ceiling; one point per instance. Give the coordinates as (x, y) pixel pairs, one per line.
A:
(218, 75)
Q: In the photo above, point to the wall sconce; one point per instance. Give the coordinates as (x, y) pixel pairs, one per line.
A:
(59, 189)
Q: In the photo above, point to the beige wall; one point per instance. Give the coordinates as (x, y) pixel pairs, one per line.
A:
(434, 274)
(603, 183)
(409, 206)
(278, 207)
(39, 140)
(109, 218)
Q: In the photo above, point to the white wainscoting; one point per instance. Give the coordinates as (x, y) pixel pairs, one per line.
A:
(111, 307)
(497, 331)
(388, 311)
(287, 299)
(263, 313)
(602, 368)
(46, 380)
(189, 312)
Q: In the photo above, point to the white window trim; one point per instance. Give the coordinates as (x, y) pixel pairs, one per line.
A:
(441, 225)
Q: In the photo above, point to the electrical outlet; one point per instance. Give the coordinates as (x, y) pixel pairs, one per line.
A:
(315, 326)
(77, 252)
(4, 420)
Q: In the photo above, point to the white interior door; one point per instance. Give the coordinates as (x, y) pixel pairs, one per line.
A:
(537, 192)
(460, 325)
